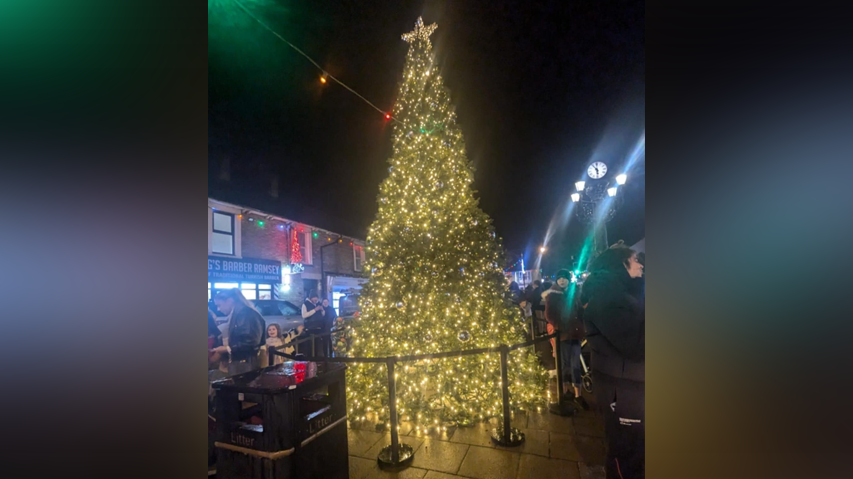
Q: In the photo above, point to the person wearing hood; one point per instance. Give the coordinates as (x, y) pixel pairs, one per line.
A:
(615, 321)
(561, 313)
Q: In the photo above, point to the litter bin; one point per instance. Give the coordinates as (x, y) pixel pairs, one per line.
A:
(283, 422)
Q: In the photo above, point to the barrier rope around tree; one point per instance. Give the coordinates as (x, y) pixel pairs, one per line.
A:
(397, 454)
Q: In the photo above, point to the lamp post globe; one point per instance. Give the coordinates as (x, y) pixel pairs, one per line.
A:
(597, 199)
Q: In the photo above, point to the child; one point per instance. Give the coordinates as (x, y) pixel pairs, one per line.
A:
(274, 339)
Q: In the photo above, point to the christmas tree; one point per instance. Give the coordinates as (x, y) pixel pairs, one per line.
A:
(435, 278)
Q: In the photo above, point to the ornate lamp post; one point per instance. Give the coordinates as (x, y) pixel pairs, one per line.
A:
(597, 200)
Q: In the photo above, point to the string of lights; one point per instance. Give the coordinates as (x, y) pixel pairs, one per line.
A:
(513, 266)
(326, 75)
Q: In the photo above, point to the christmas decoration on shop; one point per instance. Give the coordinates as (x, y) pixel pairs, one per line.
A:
(295, 249)
(434, 278)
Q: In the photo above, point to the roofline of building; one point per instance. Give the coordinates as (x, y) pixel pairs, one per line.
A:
(255, 211)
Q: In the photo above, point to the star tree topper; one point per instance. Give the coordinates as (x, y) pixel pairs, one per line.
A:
(420, 32)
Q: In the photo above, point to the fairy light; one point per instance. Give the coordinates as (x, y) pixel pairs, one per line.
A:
(325, 75)
(435, 281)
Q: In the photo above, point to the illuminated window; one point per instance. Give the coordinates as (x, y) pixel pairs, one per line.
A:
(264, 291)
(305, 245)
(336, 301)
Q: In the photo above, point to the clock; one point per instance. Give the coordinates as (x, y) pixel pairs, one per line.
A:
(597, 170)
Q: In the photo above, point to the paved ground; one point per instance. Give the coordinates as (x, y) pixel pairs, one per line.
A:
(556, 447)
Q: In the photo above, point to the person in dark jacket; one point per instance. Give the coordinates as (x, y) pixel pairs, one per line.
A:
(330, 316)
(514, 293)
(561, 305)
(245, 332)
(615, 321)
(214, 340)
(535, 295)
(313, 313)
(534, 298)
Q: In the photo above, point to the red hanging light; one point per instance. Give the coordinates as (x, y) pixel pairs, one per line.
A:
(387, 116)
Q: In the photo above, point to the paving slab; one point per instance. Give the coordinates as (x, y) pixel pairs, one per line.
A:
(535, 442)
(550, 422)
(489, 463)
(591, 472)
(443, 434)
(537, 467)
(408, 473)
(592, 450)
(587, 424)
(359, 441)
(438, 455)
(563, 447)
(359, 467)
(441, 475)
(477, 435)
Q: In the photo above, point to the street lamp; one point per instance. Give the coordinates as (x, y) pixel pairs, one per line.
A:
(599, 191)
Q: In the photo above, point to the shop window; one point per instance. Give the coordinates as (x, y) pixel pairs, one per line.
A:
(336, 301)
(249, 290)
(358, 257)
(264, 291)
(223, 233)
(305, 245)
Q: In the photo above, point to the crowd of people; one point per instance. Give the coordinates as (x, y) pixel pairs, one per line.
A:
(234, 347)
(607, 309)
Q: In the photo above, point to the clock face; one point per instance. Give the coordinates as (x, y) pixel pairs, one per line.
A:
(597, 170)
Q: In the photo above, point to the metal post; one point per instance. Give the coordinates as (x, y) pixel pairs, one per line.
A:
(392, 405)
(561, 408)
(313, 344)
(532, 324)
(271, 352)
(396, 454)
(559, 365)
(505, 387)
(506, 436)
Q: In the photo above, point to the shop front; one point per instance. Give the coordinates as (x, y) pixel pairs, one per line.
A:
(342, 286)
(256, 278)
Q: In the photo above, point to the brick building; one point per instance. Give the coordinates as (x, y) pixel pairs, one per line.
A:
(251, 250)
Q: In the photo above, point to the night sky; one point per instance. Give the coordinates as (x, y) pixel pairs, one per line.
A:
(541, 88)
